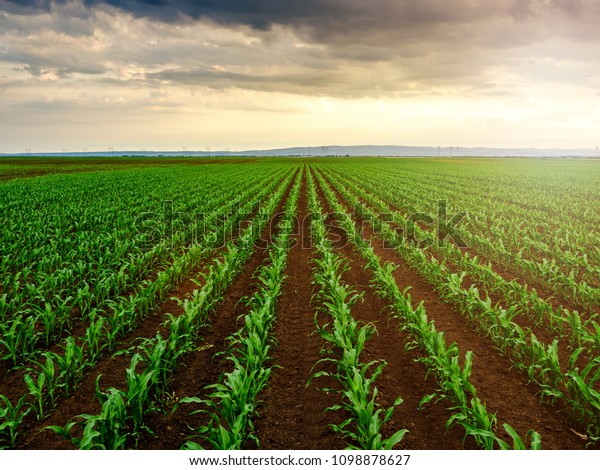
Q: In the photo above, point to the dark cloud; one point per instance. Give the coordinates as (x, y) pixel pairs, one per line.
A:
(334, 15)
(347, 21)
(259, 14)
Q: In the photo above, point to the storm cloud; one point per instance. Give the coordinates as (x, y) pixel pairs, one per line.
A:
(323, 19)
(429, 40)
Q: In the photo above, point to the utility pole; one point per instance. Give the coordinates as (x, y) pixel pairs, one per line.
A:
(110, 151)
(597, 151)
(208, 151)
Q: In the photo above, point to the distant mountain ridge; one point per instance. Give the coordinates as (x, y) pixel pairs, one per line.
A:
(345, 150)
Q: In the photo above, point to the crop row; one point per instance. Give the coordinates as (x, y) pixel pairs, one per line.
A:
(233, 401)
(32, 328)
(442, 360)
(501, 237)
(579, 331)
(122, 417)
(104, 331)
(345, 340)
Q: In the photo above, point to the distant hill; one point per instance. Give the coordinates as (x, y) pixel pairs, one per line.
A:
(351, 151)
(412, 151)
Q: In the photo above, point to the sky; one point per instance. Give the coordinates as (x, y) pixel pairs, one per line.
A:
(255, 74)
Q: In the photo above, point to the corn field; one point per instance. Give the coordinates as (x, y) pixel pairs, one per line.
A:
(301, 304)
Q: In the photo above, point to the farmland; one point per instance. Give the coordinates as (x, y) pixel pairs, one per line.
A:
(300, 303)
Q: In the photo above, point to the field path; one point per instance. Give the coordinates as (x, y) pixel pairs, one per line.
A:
(292, 416)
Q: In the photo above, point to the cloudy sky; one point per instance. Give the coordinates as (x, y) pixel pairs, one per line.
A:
(169, 74)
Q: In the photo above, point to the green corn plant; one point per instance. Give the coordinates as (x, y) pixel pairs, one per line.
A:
(106, 431)
(160, 356)
(19, 339)
(71, 364)
(50, 380)
(593, 337)
(92, 343)
(234, 400)
(582, 394)
(218, 436)
(365, 426)
(518, 444)
(138, 395)
(181, 331)
(49, 320)
(83, 301)
(477, 422)
(37, 391)
(11, 417)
